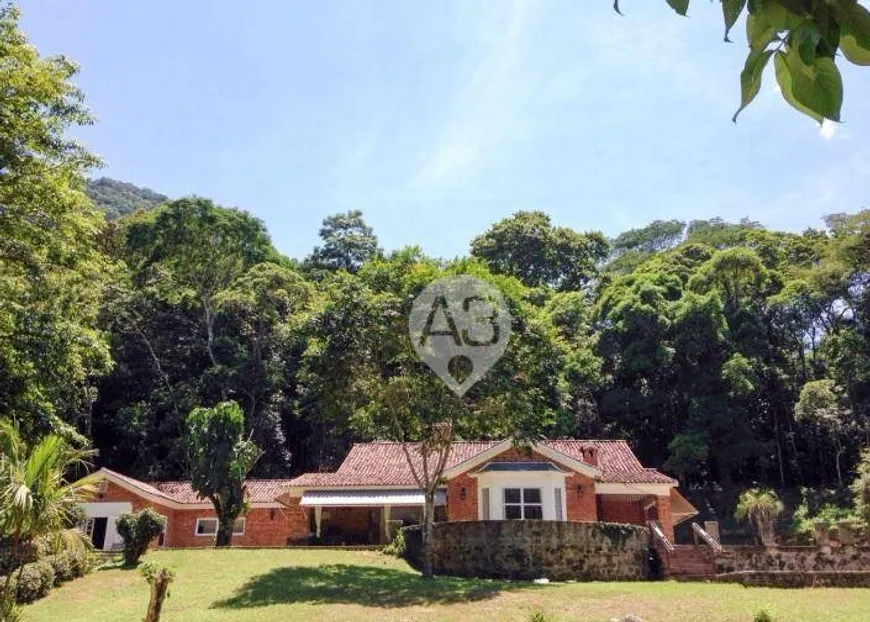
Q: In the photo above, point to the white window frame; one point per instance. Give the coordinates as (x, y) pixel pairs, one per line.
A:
(523, 504)
(214, 533)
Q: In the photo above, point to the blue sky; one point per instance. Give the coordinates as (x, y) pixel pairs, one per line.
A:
(439, 118)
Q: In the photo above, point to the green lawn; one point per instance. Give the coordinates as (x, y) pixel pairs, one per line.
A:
(331, 586)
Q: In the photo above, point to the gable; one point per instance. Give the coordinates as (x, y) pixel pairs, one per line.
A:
(507, 452)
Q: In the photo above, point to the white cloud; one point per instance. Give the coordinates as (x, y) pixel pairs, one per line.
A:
(828, 129)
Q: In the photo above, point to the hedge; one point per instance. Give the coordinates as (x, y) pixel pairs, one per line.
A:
(38, 577)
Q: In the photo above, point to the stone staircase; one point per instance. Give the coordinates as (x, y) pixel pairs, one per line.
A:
(689, 562)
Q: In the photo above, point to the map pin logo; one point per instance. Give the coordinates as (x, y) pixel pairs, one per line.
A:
(460, 327)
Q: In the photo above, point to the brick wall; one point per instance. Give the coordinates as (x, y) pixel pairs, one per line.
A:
(580, 498)
(263, 526)
(459, 509)
(617, 510)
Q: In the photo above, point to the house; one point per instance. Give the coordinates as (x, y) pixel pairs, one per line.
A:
(190, 520)
(374, 491)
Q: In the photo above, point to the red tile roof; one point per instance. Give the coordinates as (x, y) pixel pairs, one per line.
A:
(383, 463)
(259, 490)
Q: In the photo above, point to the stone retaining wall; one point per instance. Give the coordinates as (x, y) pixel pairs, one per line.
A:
(556, 550)
(846, 578)
(806, 559)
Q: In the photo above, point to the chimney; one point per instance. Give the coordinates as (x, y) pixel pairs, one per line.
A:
(590, 455)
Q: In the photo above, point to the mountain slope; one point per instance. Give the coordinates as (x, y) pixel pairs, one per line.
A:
(117, 198)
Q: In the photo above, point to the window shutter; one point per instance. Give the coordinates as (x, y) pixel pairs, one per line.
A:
(558, 498)
(484, 499)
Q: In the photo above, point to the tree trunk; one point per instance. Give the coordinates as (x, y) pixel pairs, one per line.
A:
(159, 590)
(224, 535)
(9, 588)
(428, 528)
(837, 457)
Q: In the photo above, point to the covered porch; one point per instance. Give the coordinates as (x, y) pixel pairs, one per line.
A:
(640, 507)
(338, 517)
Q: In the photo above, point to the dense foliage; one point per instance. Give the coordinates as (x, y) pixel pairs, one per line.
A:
(730, 355)
(220, 458)
(137, 530)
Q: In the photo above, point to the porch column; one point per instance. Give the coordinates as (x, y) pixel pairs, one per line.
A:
(318, 515)
(666, 519)
(386, 516)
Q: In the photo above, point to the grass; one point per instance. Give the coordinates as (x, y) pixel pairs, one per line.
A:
(331, 586)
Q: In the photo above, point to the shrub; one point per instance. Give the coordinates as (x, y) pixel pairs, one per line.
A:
(806, 515)
(62, 566)
(35, 581)
(397, 547)
(763, 616)
(138, 529)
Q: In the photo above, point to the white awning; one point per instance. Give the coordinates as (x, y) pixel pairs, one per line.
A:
(368, 498)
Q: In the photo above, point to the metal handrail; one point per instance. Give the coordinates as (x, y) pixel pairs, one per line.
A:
(660, 535)
(706, 537)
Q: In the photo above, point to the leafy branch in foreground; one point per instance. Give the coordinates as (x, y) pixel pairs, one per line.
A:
(803, 37)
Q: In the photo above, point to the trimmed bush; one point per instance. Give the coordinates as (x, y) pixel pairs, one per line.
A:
(62, 566)
(138, 529)
(36, 581)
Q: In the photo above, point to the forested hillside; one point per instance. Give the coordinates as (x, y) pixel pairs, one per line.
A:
(727, 354)
(118, 198)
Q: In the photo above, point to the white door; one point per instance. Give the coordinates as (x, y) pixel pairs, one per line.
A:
(110, 511)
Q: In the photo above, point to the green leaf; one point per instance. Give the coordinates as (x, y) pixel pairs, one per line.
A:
(855, 34)
(750, 78)
(780, 17)
(731, 10)
(785, 80)
(857, 23)
(805, 38)
(680, 6)
(853, 50)
(817, 86)
(828, 27)
(759, 33)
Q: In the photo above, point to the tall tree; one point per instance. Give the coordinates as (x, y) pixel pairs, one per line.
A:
(51, 273)
(263, 316)
(822, 406)
(528, 247)
(348, 242)
(203, 249)
(220, 458)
